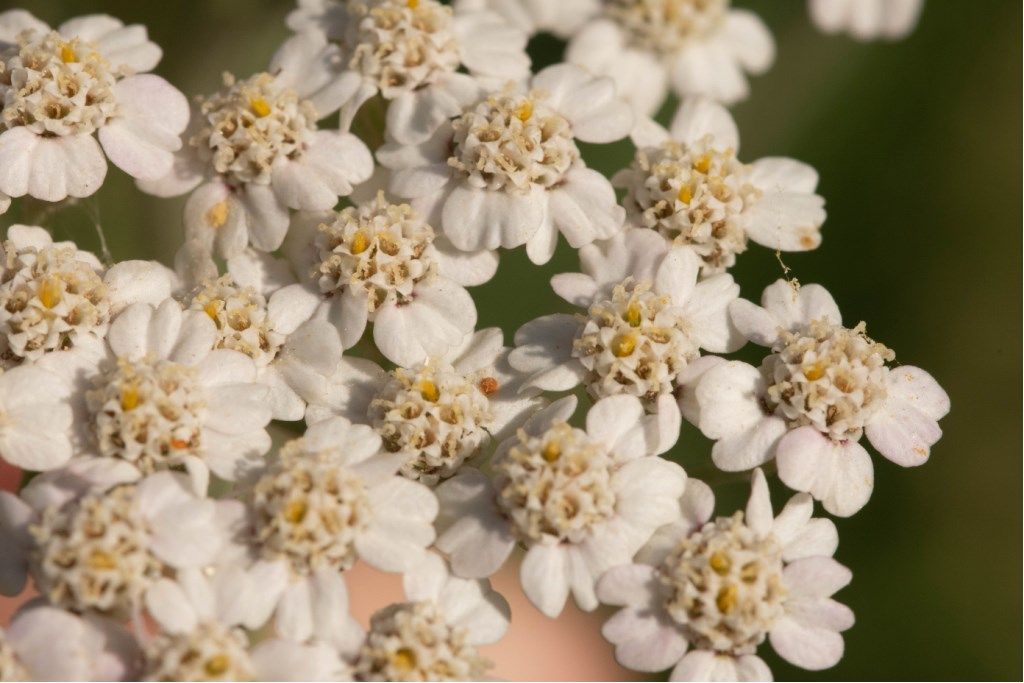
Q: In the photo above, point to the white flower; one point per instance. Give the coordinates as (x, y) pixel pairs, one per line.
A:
(293, 355)
(506, 171)
(59, 88)
(434, 635)
(48, 644)
(94, 536)
(254, 151)
(819, 389)
(439, 413)
(581, 501)
(647, 319)
(694, 47)
(705, 595)
(56, 297)
(867, 19)
(562, 18)
(162, 396)
(35, 418)
(688, 185)
(202, 637)
(413, 53)
(329, 499)
(378, 263)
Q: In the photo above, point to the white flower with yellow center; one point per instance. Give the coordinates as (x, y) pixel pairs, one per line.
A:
(253, 151)
(688, 185)
(506, 171)
(439, 413)
(433, 636)
(44, 643)
(822, 386)
(96, 537)
(424, 59)
(867, 19)
(59, 89)
(203, 620)
(327, 500)
(293, 355)
(705, 594)
(580, 501)
(56, 297)
(561, 19)
(377, 263)
(693, 47)
(646, 320)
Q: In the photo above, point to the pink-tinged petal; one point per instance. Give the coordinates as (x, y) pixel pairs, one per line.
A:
(810, 648)
(628, 585)
(470, 530)
(820, 613)
(702, 665)
(906, 426)
(698, 117)
(151, 117)
(475, 219)
(749, 449)
(544, 577)
(840, 475)
(815, 577)
(644, 640)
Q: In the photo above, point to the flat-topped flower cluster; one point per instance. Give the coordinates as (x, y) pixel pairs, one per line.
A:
(322, 292)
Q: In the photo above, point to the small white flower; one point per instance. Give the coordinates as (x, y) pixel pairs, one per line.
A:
(867, 19)
(254, 151)
(48, 644)
(688, 184)
(434, 635)
(705, 594)
(506, 171)
(60, 87)
(647, 319)
(56, 297)
(694, 47)
(439, 413)
(35, 418)
(161, 395)
(413, 53)
(95, 536)
(820, 388)
(561, 18)
(202, 638)
(581, 501)
(378, 263)
(329, 499)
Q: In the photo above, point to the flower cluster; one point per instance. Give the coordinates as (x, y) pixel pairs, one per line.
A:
(322, 289)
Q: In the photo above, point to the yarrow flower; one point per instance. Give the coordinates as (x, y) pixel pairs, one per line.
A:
(687, 184)
(647, 319)
(424, 58)
(693, 47)
(253, 151)
(440, 413)
(61, 89)
(705, 594)
(822, 386)
(507, 171)
(867, 19)
(580, 501)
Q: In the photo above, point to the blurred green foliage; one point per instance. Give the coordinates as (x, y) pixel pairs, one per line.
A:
(918, 145)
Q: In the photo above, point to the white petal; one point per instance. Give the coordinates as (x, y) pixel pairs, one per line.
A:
(906, 426)
(698, 117)
(152, 114)
(584, 207)
(759, 513)
(475, 219)
(807, 647)
(50, 169)
(544, 577)
(840, 475)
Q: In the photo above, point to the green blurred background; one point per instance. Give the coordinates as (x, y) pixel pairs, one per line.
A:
(918, 146)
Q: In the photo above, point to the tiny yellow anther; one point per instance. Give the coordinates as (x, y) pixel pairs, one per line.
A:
(429, 390)
(702, 164)
(360, 243)
(720, 563)
(815, 372)
(726, 599)
(217, 216)
(212, 309)
(50, 292)
(623, 345)
(68, 54)
(633, 315)
(685, 194)
(217, 665)
(412, 4)
(295, 511)
(100, 559)
(129, 398)
(525, 111)
(179, 444)
(259, 106)
(552, 451)
(404, 658)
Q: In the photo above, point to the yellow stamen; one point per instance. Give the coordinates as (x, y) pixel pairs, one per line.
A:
(702, 164)
(488, 385)
(217, 665)
(259, 106)
(68, 54)
(429, 390)
(100, 559)
(295, 511)
(720, 562)
(360, 242)
(129, 398)
(412, 4)
(217, 216)
(726, 599)
(50, 292)
(179, 444)
(815, 372)
(404, 658)
(633, 315)
(552, 451)
(525, 111)
(211, 309)
(685, 194)
(623, 345)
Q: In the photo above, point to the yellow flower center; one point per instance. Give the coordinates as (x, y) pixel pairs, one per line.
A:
(623, 345)
(259, 106)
